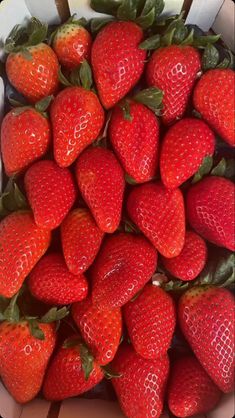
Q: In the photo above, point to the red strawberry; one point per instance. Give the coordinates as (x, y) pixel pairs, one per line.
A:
(184, 147)
(173, 69)
(51, 282)
(210, 210)
(159, 214)
(101, 182)
(101, 330)
(190, 262)
(150, 320)
(124, 264)
(141, 385)
(135, 141)
(191, 391)
(51, 193)
(22, 244)
(206, 316)
(81, 239)
(117, 61)
(214, 99)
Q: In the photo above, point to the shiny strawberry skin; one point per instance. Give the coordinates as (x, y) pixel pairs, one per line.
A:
(77, 118)
(101, 182)
(184, 147)
(136, 141)
(141, 386)
(117, 62)
(210, 210)
(24, 359)
(192, 259)
(206, 317)
(101, 330)
(191, 391)
(81, 240)
(159, 214)
(23, 243)
(35, 78)
(214, 98)
(125, 263)
(51, 282)
(25, 137)
(150, 320)
(51, 193)
(173, 69)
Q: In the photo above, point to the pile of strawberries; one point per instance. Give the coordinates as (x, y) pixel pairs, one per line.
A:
(126, 232)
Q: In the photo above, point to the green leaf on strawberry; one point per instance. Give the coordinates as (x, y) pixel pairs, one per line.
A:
(205, 169)
(150, 97)
(54, 315)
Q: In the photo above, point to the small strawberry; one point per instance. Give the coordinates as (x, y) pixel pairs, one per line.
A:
(81, 239)
(51, 193)
(214, 98)
(124, 264)
(206, 317)
(150, 320)
(210, 210)
(191, 391)
(159, 214)
(184, 148)
(101, 182)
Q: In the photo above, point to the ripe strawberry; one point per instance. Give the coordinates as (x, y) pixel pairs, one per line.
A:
(159, 214)
(173, 69)
(184, 147)
(206, 316)
(117, 61)
(51, 282)
(190, 262)
(214, 99)
(141, 385)
(150, 320)
(101, 182)
(22, 244)
(191, 391)
(210, 210)
(81, 239)
(124, 264)
(101, 330)
(51, 193)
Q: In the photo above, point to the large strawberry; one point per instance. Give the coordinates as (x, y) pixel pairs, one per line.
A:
(150, 320)
(51, 193)
(214, 98)
(184, 147)
(210, 210)
(159, 214)
(140, 388)
(101, 182)
(22, 244)
(206, 316)
(81, 239)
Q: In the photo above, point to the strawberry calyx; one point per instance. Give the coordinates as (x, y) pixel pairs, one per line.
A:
(223, 168)
(81, 76)
(87, 358)
(150, 97)
(211, 58)
(12, 199)
(41, 106)
(109, 373)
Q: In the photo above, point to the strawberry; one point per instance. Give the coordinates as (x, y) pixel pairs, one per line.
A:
(117, 61)
(141, 386)
(101, 182)
(159, 214)
(206, 317)
(184, 148)
(22, 244)
(124, 264)
(191, 391)
(150, 320)
(101, 330)
(81, 239)
(210, 210)
(51, 193)
(51, 282)
(192, 259)
(214, 98)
